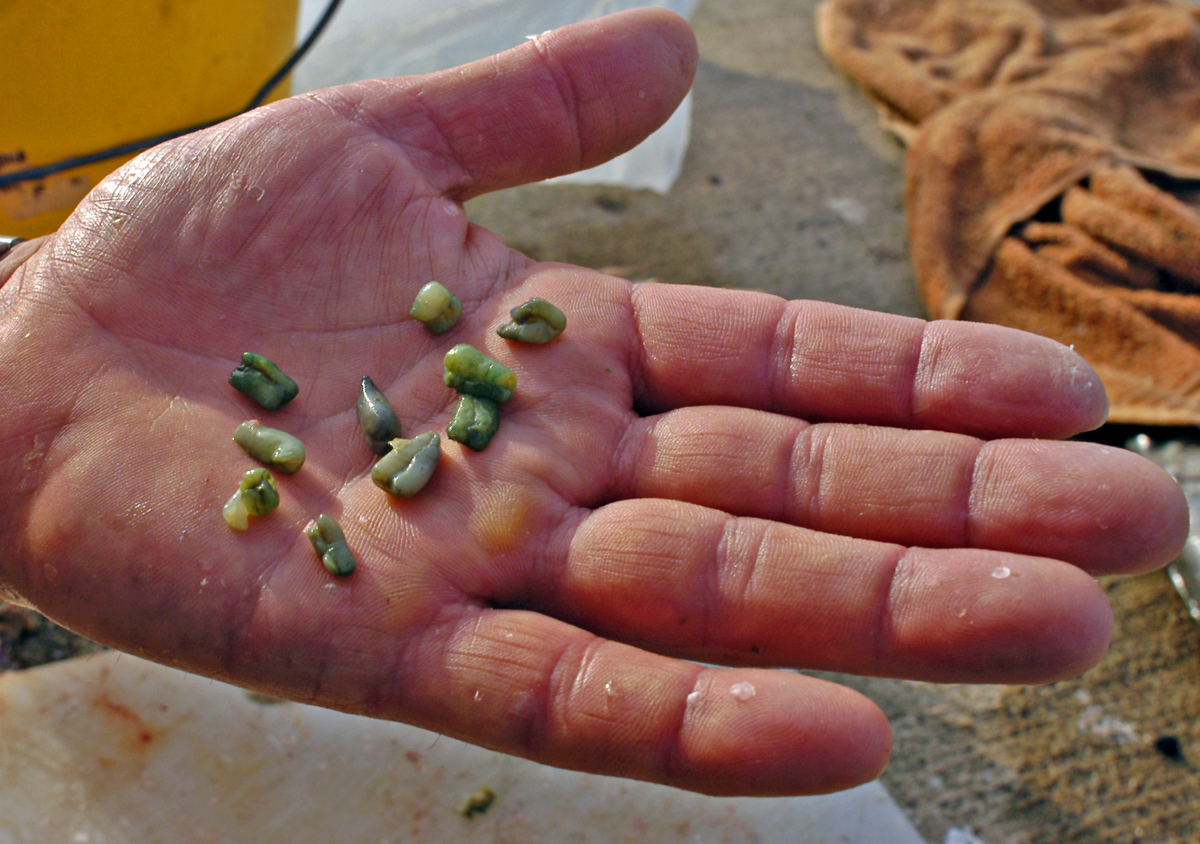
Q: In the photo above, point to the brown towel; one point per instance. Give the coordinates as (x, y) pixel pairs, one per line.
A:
(1053, 174)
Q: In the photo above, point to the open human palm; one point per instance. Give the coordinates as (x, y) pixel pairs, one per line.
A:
(686, 478)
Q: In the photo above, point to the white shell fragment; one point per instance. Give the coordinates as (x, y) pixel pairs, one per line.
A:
(409, 465)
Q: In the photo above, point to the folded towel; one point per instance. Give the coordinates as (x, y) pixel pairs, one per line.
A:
(1053, 172)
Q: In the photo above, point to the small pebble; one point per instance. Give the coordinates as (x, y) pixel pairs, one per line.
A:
(1169, 747)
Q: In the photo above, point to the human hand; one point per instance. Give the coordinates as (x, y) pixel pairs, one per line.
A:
(686, 473)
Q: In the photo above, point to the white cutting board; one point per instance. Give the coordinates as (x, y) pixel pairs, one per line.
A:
(110, 748)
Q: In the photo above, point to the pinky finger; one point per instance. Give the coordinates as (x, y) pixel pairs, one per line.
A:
(529, 685)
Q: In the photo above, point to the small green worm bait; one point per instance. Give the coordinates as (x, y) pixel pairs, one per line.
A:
(409, 465)
(477, 802)
(537, 321)
(471, 372)
(475, 422)
(330, 544)
(270, 446)
(378, 421)
(437, 307)
(257, 495)
(262, 380)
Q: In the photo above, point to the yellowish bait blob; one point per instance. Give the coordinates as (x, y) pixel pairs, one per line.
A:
(257, 495)
(437, 307)
(471, 372)
(409, 465)
(536, 321)
(271, 446)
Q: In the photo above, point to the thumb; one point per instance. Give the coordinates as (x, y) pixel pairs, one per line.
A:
(566, 100)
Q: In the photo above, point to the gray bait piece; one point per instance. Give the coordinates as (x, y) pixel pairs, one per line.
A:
(270, 446)
(471, 372)
(257, 495)
(437, 307)
(263, 381)
(378, 421)
(409, 465)
(537, 321)
(475, 422)
(330, 544)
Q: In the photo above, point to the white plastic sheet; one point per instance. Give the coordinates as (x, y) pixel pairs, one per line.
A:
(109, 748)
(378, 38)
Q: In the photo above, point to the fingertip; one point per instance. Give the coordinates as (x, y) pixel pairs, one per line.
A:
(628, 72)
(1073, 623)
(980, 617)
(1168, 518)
(994, 381)
(771, 733)
(1083, 385)
(1141, 517)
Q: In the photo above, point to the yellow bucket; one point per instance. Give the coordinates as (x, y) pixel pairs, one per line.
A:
(82, 76)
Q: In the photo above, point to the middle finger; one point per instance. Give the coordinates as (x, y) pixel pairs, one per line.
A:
(927, 488)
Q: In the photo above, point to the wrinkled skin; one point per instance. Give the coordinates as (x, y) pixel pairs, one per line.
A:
(685, 474)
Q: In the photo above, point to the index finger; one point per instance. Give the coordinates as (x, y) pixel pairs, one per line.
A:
(824, 362)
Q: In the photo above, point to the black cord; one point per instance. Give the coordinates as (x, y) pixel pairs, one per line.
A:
(295, 57)
(297, 54)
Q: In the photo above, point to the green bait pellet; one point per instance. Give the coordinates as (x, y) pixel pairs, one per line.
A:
(437, 307)
(271, 446)
(330, 544)
(536, 321)
(257, 495)
(471, 372)
(262, 380)
(378, 421)
(409, 465)
(475, 422)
